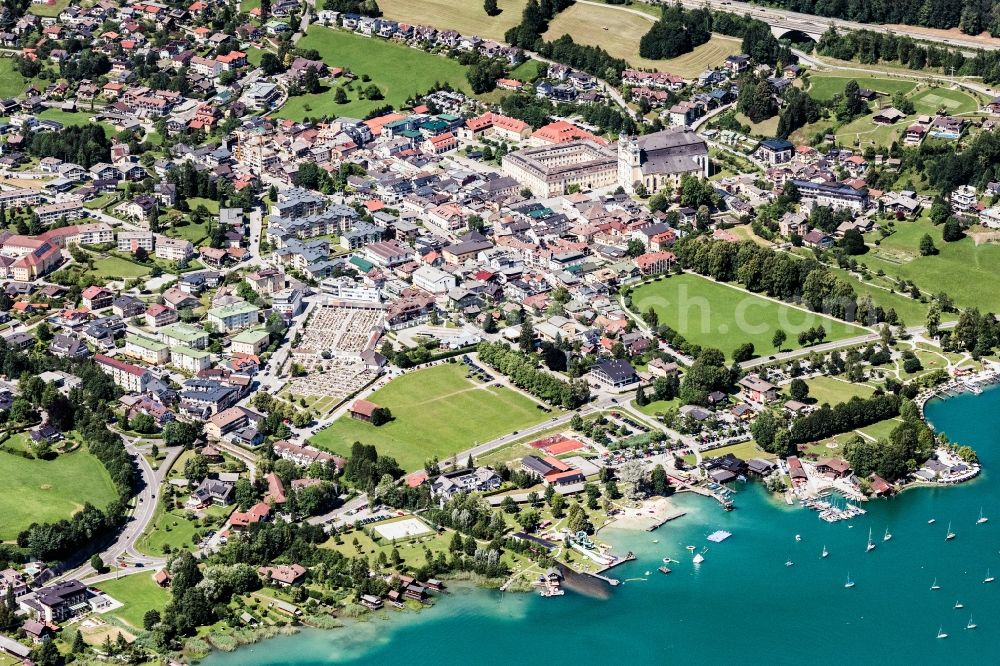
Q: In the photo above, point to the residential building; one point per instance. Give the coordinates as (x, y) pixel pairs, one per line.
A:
(614, 373)
(144, 349)
(129, 377)
(251, 341)
(233, 317)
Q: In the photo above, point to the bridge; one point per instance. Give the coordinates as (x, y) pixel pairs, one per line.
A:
(795, 25)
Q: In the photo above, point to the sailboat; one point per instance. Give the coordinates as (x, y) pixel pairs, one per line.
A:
(698, 558)
(989, 577)
(941, 633)
(931, 521)
(849, 583)
(935, 586)
(982, 518)
(825, 551)
(871, 544)
(887, 536)
(959, 604)
(789, 563)
(950, 535)
(971, 624)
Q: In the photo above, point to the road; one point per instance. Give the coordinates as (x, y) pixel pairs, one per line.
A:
(142, 514)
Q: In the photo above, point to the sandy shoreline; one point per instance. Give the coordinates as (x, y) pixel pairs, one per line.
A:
(649, 515)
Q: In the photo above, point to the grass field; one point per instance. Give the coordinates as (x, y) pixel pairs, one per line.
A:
(743, 451)
(766, 128)
(464, 16)
(438, 412)
(909, 310)
(712, 314)
(824, 87)
(835, 391)
(192, 232)
(657, 406)
(12, 83)
(619, 32)
(960, 268)
(118, 269)
(930, 100)
(139, 594)
(51, 8)
(209, 204)
(397, 70)
(49, 490)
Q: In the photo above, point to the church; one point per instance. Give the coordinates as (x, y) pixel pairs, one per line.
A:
(660, 159)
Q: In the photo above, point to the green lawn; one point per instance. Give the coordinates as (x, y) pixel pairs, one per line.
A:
(74, 118)
(167, 528)
(823, 87)
(253, 56)
(882, 429)
(139, 594)
(49, 490)
(12, 83)
(212, 206)
(930, 100)
(911, 311)
(743, 451)
(118, 269)
(195, 233)
(657, 406)
(437, 412)
(960, 268)
(713, 314)
(51, 8)
(835, 391)
(397, 70)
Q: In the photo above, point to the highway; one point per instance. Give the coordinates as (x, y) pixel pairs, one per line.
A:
(814, 25)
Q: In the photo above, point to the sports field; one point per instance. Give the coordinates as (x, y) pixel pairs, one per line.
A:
(713, 314)
(397, 70)
(961, 269)
(618, 32)
(49, 490)
(464, 16)
(437, 412)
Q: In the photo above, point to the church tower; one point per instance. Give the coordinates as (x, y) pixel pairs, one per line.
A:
(628, 161)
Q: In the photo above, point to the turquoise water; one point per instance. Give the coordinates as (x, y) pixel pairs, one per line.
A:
(742, 602)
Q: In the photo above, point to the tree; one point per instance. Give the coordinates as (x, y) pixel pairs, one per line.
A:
(933, 319)
(529, 519)
(79, 647)
(380, 416)
(97, 564)
(952, 231)
(779, 339)
(150, 619)
(744, 352)
(853, 242)
(927, 246)
(46, 654)
(526, 339)
(635, 248)
(196, 468)
(659, 483)
(491, 8)
(640, 397)
(764, 428)
(558, 506)
(798, 389)
(339, 96)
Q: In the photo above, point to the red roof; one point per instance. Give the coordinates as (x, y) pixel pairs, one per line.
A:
(363, 407)
(120, 365)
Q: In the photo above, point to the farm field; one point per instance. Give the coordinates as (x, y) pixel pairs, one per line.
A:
(139, 593)
(712, 314)
(397, 70)
(464, 16)
(960, 268)
(835, 391)
(437, 412)
(619, 32)
(49, 490)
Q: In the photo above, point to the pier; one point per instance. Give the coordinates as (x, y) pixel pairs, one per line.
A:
(718, 495)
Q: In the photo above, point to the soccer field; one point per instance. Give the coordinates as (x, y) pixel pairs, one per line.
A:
(437, 412)
(713, 314)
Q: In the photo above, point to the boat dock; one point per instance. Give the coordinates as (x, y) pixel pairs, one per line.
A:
(630, 556)
(721, 494)
(830, 512)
